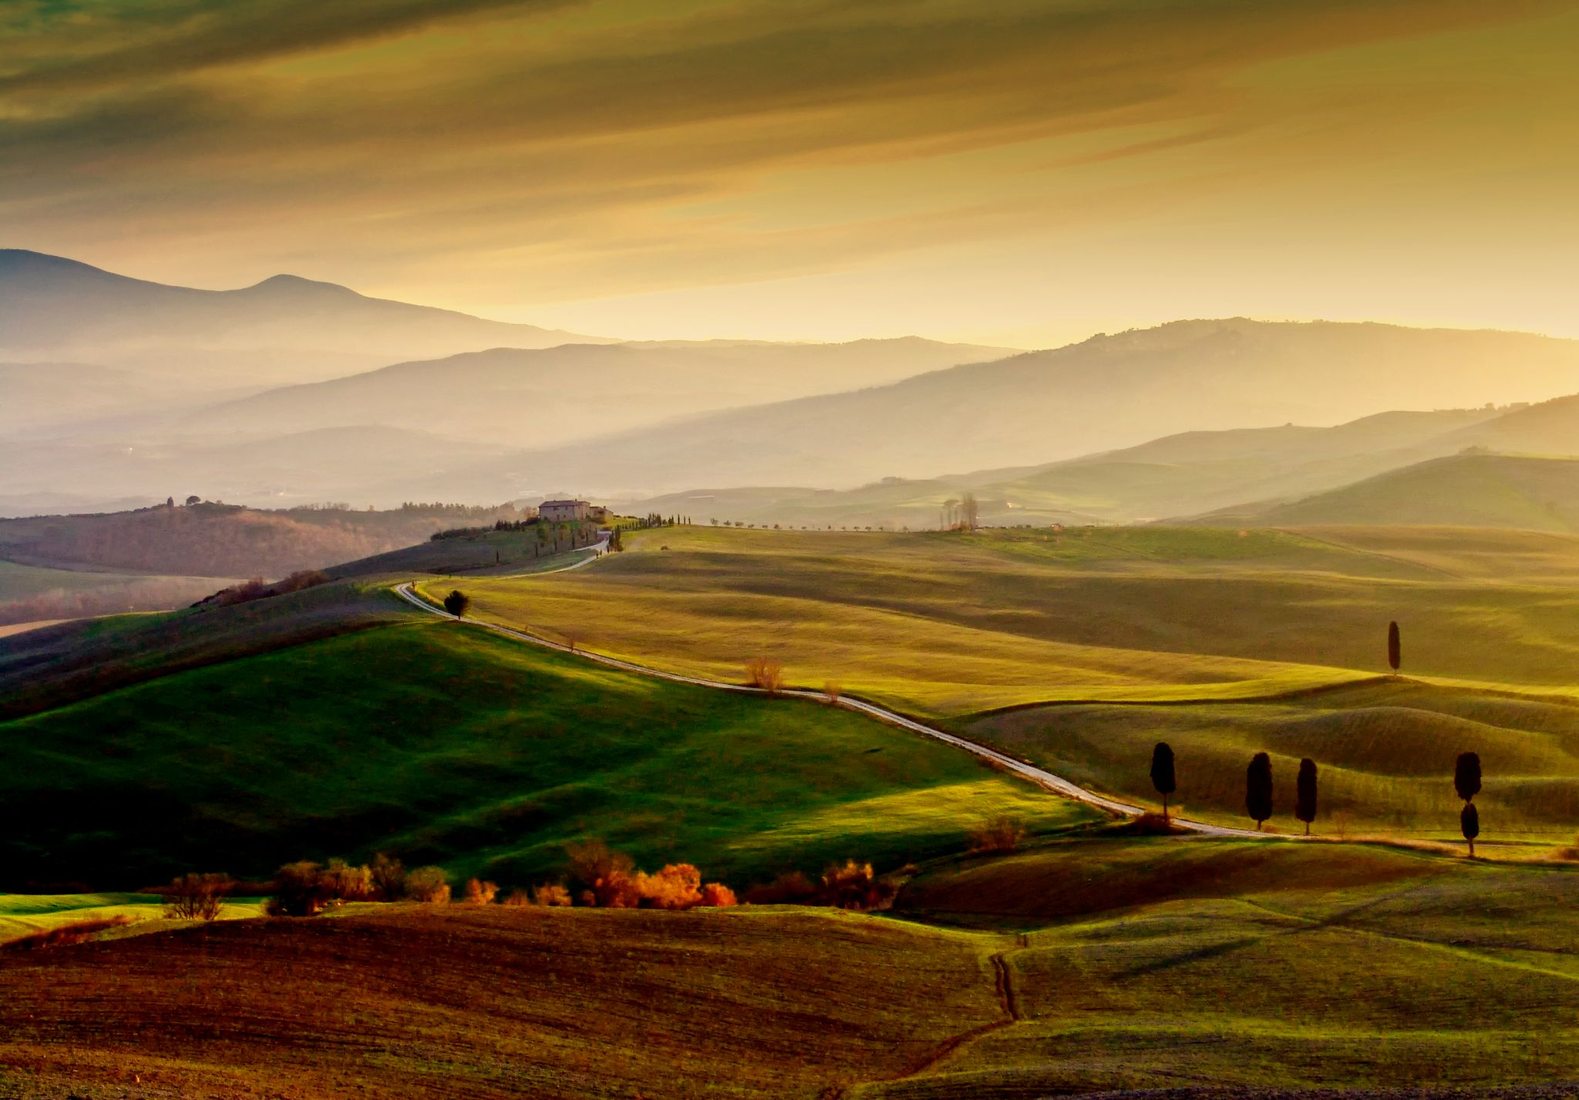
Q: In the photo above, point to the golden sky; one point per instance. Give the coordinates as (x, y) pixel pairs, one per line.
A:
(1010, 171)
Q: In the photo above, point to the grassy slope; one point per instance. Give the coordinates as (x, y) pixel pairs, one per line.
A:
(1164, 963)
(23, 914)
(1385, 753)
(928, 623)
(447, 744)
(950, 625)
(56, 665)
(1472, 490)
(956, 627)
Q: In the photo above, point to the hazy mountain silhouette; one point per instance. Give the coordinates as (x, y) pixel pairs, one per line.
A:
(1106, 393)
(535, 398)
(285, 328)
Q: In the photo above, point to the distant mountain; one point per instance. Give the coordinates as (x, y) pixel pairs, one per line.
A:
(285, 328)
(1467, 490)
(537, 398)
(1106, 393)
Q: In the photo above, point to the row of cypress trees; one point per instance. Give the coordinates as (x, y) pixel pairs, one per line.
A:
(1258, 788)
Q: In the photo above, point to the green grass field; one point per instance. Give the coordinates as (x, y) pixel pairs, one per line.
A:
(450, 745)
(23, 914)
(1214, 640)
(1385, 752)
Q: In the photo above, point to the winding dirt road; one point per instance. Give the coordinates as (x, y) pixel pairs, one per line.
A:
(1054, 784)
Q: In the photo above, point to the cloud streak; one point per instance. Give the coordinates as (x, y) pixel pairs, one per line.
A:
(621, 146)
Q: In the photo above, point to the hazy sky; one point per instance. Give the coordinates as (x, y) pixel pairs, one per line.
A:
(1015, 171)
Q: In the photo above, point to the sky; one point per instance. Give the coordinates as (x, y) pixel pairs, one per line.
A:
(1016, 172)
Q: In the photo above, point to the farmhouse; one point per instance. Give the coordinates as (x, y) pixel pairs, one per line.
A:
(563, 511)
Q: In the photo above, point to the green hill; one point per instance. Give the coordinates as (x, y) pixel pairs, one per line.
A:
(447, 744)
(1466, 490)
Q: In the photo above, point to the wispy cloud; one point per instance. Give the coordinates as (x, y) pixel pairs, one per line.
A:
(619, 146)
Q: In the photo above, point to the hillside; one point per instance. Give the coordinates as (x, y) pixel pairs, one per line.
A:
(1466, 490)
(220, 540)
(537, 398)
(1114, 967)
(459, 748)
(1076, 650)
(1106, 393)
(283, 328)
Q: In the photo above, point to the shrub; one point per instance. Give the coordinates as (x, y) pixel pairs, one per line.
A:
(715, 895)
(1568, 851)
(1001, 834)
(389, 877)
(604, 876)
(480, 893)
(677, 886)
(855, 886)
(428, 885)
(197, 897)
(765, 673)
(789, 888)
(343, 882)
(551, 894)
(298, 891)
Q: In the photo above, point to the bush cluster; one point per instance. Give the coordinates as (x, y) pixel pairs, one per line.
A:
(304, 888)
(850, 885)
(610, 880)
(255, 589)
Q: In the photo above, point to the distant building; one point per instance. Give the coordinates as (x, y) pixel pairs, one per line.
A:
(563, 511)
(597, 513)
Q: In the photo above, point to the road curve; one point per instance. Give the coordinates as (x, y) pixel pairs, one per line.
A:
(1054, 784)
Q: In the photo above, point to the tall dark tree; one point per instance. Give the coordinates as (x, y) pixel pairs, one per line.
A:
(1395, 648)
(1258, 788)
(1469, 822)
(1466, 776)
(1305, 793)
(1162, 776)
(457, 603)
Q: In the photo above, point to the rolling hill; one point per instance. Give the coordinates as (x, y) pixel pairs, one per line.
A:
(1465, 490)
(227, 738)
(222, 540)
(283, 328)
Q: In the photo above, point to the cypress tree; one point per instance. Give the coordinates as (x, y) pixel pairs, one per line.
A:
(1162, 776)
(1305, 793)
(1466, 776)
(1258, 788)
(1466, 781)
(1395, 648)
